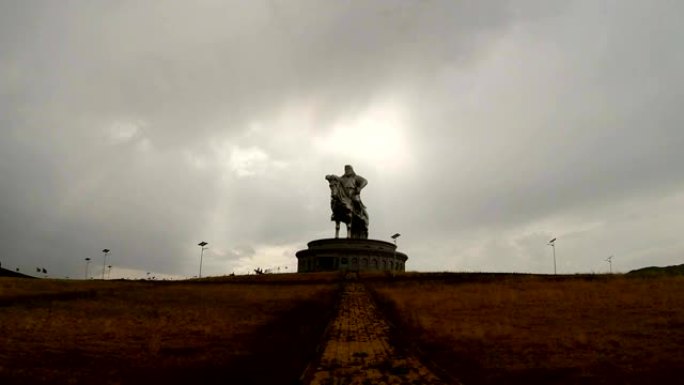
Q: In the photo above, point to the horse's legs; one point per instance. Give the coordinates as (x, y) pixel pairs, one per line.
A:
(337, 229)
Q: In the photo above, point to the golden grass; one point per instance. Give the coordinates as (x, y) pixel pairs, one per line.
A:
(484, 329)
(287, 278)
(546, 330)
(11, 288)
(61, 331)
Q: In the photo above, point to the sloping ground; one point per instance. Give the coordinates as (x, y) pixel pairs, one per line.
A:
(57, 332)
(542, 330)
(656, 270)
(13, 274)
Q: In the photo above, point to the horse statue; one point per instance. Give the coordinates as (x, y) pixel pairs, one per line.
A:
(345, 208)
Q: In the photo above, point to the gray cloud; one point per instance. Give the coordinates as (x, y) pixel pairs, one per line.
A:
(484, 128)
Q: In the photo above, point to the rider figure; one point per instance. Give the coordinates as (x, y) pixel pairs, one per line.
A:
(348, 197)
(353, 184)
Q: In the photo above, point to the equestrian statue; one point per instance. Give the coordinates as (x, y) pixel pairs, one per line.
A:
(346, 205)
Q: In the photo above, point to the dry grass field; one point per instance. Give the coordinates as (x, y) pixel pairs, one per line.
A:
(481, 328)
(258, 330)
(542, 330)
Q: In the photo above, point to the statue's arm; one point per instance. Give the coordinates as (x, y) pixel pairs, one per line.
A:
(361, 182)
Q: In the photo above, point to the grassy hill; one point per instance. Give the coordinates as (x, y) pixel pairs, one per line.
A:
(656, 270)
(480, 328)
(9, 273)
(533, 329)
(259, 331)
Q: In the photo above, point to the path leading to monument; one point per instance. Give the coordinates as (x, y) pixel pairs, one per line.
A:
(358, 349)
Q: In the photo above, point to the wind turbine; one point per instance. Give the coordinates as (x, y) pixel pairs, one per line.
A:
(203, 245)
(610, 263)
(552, 243)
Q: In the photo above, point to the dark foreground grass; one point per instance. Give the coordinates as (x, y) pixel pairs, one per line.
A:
(255, 332)
(542, 330)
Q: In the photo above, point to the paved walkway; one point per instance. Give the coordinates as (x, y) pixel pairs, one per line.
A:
(358, 350)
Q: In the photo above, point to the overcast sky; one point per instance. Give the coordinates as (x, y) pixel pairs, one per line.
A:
(484, 128)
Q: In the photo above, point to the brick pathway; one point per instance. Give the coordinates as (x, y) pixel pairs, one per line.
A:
(358, 350)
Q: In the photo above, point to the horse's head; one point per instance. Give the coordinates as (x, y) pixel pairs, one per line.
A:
(338, 196)
(334, 184)
(341, 205)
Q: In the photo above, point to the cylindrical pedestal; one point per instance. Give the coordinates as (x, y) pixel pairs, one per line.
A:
(346, 254)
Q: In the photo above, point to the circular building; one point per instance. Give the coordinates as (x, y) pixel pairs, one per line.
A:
(350, 254)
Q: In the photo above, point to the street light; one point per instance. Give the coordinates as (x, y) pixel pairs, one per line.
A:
(552, 243)
(202, 245)
(87, 264)
(105, 251)
(394, 257)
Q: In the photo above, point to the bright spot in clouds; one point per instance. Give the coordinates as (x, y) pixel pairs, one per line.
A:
(124, 131)
(251, 161)
(377, 136)
(273, 258)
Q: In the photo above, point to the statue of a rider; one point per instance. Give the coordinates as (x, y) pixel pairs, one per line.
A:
(350, 198)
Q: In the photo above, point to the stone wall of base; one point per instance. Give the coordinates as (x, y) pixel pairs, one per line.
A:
(343, 254)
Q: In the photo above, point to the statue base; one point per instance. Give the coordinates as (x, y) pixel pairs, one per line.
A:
(348, 254)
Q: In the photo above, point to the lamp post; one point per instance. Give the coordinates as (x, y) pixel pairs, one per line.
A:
(552, 243)
(87, 264)
(104, 264)
(202, 245)
(394, 237)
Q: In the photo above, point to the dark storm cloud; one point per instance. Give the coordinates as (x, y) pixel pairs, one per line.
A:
(601, 126)
(145, 127)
